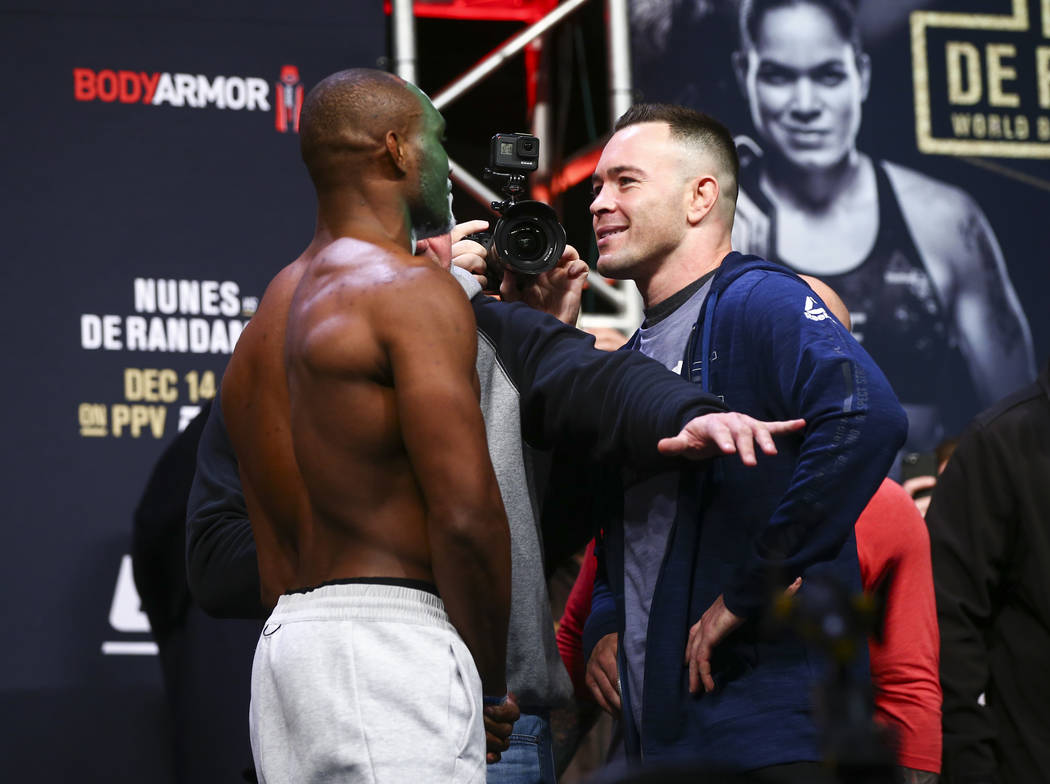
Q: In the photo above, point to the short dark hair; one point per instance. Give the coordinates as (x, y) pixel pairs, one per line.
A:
(347, 114)
(691, 126)
(842, 12)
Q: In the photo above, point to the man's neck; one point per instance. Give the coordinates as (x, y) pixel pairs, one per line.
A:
(375, 217)
(811, 189)
(682, 266)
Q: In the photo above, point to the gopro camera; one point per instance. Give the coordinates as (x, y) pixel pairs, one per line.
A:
(527, 236)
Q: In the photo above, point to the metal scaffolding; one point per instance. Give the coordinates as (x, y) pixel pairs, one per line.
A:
(622, 296)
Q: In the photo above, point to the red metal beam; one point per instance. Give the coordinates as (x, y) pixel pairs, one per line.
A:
(527, 11)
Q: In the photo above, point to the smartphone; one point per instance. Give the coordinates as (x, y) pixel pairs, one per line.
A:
(918, 464)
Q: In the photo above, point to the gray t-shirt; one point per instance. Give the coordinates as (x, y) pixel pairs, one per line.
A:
(651, 500)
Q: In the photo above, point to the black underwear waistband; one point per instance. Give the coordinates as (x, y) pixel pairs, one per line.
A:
(402, 582)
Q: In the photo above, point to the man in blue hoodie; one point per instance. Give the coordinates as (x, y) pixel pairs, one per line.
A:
(690, 560)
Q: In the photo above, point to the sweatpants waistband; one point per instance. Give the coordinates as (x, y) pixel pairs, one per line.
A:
(362, 602)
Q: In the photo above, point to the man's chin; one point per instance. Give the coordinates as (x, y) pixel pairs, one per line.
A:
(608, 268)
(434, 228)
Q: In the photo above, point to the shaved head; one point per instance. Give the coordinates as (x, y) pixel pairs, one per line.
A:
(346, 117)
(368, 129)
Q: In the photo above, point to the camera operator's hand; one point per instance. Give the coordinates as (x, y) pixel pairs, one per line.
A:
(558, 291)
(467, 254)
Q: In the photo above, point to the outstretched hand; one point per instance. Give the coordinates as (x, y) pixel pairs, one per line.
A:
(712, 435)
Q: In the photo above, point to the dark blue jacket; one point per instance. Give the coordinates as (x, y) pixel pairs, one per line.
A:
(775, 353)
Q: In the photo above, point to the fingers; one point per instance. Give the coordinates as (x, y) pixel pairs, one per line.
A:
(744, 437)
(730, 433)
(672, 446)
(603, 677)
(792, 589)
(690, 657)
(919, 483)
(698, 654)
(499, 724)
(568, 255)
(785, 426)
(577, 269)
(923, 504)
(703, 667)
(461, 230)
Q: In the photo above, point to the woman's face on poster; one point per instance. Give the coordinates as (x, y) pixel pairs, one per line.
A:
(804, 84)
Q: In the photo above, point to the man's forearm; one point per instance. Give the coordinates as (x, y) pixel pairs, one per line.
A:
(471, 565)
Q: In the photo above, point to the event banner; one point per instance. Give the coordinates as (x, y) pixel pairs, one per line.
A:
(900, 151)
(153, 186)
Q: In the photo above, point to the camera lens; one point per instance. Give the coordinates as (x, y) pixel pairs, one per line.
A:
(528, 237)
(526, 242)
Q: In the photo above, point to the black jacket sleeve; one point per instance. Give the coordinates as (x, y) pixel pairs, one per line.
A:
(158, 540)
(611, 406)
(221, 563)
(971, 533)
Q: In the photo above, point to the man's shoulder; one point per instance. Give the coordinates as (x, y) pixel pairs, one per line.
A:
(1024, 408)
(753, 281)
(353, 281)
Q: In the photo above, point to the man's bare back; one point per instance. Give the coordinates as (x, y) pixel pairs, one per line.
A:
(351, 398)
(340, 464)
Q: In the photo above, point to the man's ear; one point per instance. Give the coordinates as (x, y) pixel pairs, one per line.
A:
(396, 150)
(703, 197)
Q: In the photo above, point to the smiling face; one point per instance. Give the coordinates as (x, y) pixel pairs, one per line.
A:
(805, 84)
(641, 196)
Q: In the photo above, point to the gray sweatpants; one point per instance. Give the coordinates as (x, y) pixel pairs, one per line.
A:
(365, 683)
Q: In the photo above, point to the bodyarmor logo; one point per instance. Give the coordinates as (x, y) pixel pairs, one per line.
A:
(289, 100)
(198, 91)
(982, 81)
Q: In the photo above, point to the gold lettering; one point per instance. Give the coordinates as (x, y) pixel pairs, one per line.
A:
(92, 417)
(980, 126)
(151, 385)
(957, 52)
(999, 73)
(961, 123)
(169, 381)
(133, 384)
(1021, 127)
(139, 419)
(157, 415)
(120, 416)
(1042, 126)
(1042, 75)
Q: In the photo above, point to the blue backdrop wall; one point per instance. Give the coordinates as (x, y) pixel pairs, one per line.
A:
(152, 186)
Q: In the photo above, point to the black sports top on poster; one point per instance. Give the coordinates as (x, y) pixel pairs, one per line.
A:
(897, 314)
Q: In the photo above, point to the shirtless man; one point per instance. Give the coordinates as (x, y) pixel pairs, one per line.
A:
(914, 259)
(351, 401)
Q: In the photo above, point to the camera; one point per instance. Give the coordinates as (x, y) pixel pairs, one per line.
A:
(527, 237)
